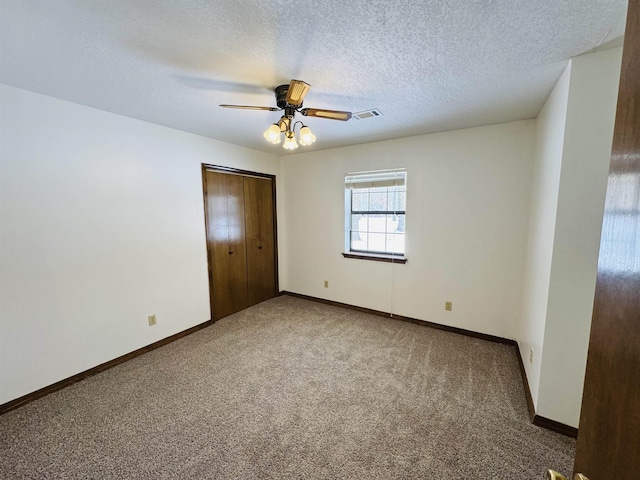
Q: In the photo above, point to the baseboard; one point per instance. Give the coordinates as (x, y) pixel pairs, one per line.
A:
(554, 426)
(537, 420)
(30, 397)
(525, 382)
(461, 331)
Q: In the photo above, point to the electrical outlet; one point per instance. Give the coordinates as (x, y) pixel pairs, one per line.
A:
(448, 306)
(152, 320)
(531, 356)
(326, 284)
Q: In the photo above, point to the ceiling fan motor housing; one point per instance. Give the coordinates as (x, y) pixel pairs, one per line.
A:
(281, 96)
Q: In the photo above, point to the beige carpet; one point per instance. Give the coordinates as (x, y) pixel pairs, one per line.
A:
(292, 389)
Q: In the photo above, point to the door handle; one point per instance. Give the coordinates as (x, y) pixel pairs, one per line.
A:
(553, 475)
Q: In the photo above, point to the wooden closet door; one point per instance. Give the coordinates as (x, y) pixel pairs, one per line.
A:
(259, 221)
(227, 246)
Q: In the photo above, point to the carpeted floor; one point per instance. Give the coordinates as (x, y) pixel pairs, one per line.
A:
(292, 389)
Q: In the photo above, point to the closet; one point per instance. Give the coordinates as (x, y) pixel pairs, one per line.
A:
(241, 238)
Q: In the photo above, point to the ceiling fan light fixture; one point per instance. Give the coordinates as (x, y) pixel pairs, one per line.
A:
(290, 141)
(289, 99)
(306, 136)
(272, 134)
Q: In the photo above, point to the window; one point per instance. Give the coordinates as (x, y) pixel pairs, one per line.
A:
(375, 204)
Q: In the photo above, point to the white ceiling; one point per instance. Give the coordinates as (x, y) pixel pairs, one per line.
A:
(429, 65)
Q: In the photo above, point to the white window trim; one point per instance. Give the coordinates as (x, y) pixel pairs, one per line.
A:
(368, 179)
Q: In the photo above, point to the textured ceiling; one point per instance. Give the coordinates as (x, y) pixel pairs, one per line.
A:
(428, 65)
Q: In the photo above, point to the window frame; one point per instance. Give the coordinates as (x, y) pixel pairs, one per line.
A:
(385, 178)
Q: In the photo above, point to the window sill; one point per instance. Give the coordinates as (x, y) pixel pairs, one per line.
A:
(376, 257)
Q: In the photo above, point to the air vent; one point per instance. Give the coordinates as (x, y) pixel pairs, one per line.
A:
(374, 112)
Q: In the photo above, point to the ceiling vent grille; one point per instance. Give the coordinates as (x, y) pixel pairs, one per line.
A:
(374, 112)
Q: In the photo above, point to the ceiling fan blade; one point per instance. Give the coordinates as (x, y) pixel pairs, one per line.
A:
(252, 107)
(330, 114)
(297, 91)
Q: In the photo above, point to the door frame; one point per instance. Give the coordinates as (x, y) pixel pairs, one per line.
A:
(206, 167)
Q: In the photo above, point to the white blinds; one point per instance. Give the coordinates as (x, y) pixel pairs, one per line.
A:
(380, 178)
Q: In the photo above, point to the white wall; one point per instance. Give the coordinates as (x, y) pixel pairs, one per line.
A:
(467, 207)
(571, 160)
(547, 162)
(101, 224)
(588, 137)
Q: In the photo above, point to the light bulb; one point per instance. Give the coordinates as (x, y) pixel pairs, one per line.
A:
(306, 136)
(290, 141)
(272, 134)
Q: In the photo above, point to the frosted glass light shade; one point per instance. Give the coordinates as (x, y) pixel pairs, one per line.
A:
(306, 136)
(272, 134)
(290, 142)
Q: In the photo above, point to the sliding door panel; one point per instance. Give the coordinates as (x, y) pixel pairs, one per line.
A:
(259, 220)
(226, 243)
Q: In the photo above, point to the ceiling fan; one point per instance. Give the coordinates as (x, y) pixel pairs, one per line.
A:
(289, 98)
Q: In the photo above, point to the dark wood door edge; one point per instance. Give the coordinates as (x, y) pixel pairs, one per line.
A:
(30, 397)
(608, 445)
